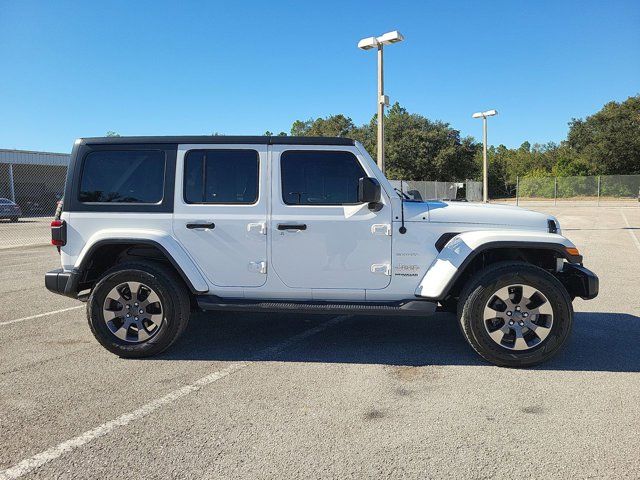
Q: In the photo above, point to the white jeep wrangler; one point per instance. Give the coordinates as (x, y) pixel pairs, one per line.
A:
(154, 227)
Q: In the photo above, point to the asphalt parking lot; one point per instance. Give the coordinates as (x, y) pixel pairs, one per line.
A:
(28, 231)
(285, 396)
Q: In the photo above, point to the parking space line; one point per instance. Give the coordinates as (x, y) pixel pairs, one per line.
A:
(633, 235)
(30, 464)
(32, 317)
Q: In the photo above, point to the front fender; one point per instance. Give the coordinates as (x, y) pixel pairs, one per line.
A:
(461, 249)
(166, 243)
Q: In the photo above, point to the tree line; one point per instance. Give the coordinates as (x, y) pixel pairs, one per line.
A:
(417, 148)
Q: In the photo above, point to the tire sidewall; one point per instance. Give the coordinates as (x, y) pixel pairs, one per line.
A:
(169, 328)
(473, 316)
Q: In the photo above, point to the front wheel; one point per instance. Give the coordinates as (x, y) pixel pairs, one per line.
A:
(515, 314)
(138, 309)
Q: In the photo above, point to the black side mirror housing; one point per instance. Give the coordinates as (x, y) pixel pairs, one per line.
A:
(369, 191)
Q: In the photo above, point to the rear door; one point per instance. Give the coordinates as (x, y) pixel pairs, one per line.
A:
(322, 238)
(220, 211)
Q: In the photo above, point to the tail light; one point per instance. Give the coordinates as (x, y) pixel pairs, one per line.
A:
(59, 233)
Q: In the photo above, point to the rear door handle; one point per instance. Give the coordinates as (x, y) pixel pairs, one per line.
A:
(292, 226)
(201, 225)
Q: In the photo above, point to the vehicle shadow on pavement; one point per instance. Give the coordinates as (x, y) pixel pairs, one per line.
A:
(600, 341)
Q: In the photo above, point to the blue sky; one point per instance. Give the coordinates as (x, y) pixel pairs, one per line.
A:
(73, 69)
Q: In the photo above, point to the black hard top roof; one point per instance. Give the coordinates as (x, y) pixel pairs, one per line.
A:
(220, 139)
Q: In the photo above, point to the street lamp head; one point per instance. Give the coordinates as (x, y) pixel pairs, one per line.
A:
(488, 113)
(384, 39)
(390, 37)
(368, 43)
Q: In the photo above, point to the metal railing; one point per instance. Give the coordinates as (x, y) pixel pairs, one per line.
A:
(609, 190)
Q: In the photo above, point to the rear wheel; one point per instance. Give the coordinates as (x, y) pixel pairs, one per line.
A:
(515, 314)
(138, 309)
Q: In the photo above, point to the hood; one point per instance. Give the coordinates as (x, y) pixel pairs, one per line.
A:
(476, 213)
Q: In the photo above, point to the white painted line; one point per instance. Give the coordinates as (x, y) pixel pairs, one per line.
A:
(30, 464)
(32, 317)
(633, 235)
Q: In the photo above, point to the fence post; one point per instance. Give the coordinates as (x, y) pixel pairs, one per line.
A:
(12, 188)
(598, 190)
(517, 190)
(555, 191)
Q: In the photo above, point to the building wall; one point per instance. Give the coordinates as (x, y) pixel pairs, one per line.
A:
(38, 179)
(19, 157)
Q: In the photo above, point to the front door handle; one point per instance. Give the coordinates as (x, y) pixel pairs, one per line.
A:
(292, 226)
(201, 225)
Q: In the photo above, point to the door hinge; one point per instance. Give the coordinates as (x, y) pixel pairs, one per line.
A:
(381, 229)
(258, 267)
(260, 227)
(382, 268)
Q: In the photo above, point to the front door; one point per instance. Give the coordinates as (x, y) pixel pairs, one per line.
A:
(322, 238)
(220, 211)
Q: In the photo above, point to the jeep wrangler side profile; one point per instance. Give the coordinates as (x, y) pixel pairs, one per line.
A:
(154, 227)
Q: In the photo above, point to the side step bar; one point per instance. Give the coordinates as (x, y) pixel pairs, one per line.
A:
(402, 308)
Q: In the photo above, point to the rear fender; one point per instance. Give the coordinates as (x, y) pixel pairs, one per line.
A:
(461, 249)
(174, 252)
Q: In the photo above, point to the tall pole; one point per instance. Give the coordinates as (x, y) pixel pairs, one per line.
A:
(485, 165)
(380, 109)
(12, 188)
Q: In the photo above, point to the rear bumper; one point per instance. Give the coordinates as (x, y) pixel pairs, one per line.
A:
(579, 281)
(61, 282)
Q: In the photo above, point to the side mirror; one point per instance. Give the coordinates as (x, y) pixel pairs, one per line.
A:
(369, 192)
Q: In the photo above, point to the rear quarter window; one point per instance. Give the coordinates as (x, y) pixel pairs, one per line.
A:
(123, 176)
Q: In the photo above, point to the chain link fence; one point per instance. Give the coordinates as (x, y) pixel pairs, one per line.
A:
(612, 190)
(31, 184)
(467, 191)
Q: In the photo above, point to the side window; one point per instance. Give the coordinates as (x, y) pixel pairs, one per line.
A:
(221, 176)
(320, 177)
(123, 176)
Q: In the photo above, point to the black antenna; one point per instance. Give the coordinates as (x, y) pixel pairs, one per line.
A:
(402, 229)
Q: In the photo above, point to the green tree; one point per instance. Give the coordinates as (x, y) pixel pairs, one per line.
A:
(420, 149)
(416, 147)
(331, 126)
(111, 133)
(609, 140)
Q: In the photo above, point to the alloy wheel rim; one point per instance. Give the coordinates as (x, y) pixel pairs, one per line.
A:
(518, 317)
(133, 312)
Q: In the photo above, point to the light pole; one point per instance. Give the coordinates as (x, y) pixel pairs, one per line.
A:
(383, 100)
(485, 164)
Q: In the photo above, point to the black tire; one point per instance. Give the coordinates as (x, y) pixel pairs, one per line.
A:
(14, 219)
(482, 286)
(175, 304)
